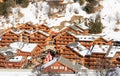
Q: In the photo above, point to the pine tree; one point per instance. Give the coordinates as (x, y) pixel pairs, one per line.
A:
(95, 27)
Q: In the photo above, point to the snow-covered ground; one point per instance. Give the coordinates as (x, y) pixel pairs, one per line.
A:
(27, 72)
(109, 16)
(15, 72)
(38, 13)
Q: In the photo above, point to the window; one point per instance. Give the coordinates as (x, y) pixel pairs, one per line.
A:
(51, 67)
(55, 67)
(61, 67)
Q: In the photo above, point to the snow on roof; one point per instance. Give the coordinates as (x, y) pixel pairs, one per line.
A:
(30, 31)
(17, 31)
(25, 47)
(28, 47)
(107, 38)
(76, 28)
(77, 47)
(44, 33)
(86, 37)
(82, 26)
(5, 50)
(100, 48)
(113, 51)
(49, 63)
(16, 59)
(112, 35)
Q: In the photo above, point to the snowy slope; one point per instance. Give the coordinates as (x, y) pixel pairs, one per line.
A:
(38, 13)
(109, 15)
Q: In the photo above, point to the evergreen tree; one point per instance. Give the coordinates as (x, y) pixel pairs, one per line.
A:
(95, 27)
(23, 3)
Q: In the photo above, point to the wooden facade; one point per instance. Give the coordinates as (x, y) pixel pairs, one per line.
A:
(5, 63)
(34, 53)
(61, 65)
(38, 38)
(95, 61)
(58, 68)
(68, 53)
(8, 37)
(115, 60)
(64, 39)
(101, 41)
(42, 35)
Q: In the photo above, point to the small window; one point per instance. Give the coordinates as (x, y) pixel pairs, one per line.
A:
(51, 67)
(61, 67)
(55, 67)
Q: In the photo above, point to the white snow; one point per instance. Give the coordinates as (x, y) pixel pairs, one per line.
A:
(80, 49)
(5, 49)
(86, 37)
(38, 13)
(25, 47)
(15, 72)
(16, 59)
(109, 14)
(113, 51)
(100, 48)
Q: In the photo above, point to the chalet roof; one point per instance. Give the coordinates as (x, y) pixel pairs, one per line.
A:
(99, 48)
(30, 31)
(107, 38)
(76, 67)
(8, 51)
(113, 51)
(76, 28)
(44, 33)
(82, 26)
(16, 59)
(17, 32)
(86, 37)
(77, 47)
(25, 47)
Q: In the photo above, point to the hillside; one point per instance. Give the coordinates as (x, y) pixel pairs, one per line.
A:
(54, 14)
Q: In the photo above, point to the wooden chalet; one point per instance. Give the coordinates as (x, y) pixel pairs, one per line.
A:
(63, 39)
(15, 62)
(68, 53)
(60, 65)
(72, 29)
(43, 28)
(9, 58)
(96, 57)
(27, 26)
(27, 49)
(85, 40)
(8, 37)
(115, 60)
(89, 40)
(102, 41)
(114, 56)
(39, 37)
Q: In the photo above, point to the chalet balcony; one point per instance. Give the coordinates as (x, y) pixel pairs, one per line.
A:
(63, 37)
(70, 57)
(67, 52)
